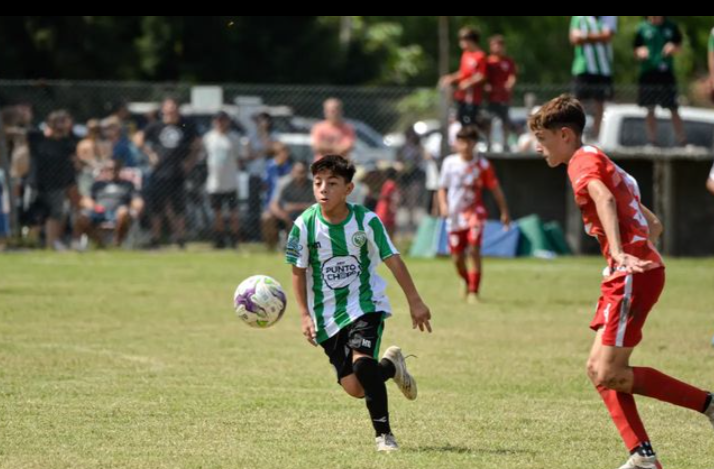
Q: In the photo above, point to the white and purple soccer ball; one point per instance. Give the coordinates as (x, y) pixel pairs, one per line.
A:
(260, 301)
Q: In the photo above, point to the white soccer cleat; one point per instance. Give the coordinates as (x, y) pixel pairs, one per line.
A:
(637, 461)
(404, 381)
(386, 442)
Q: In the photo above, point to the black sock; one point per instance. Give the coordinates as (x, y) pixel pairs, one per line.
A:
(645, 449)
(708, 402)
(375, 393)
(386, 369)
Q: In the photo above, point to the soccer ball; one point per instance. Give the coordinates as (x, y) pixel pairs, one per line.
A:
(259, 301)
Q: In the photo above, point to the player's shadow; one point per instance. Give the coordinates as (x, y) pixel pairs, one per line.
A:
(465, 450)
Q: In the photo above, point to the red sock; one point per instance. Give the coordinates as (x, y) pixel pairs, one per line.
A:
(651, 383)
(474, 280)
(623, 411)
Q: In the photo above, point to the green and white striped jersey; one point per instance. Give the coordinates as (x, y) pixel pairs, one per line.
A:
(594, 59)
(341, 262)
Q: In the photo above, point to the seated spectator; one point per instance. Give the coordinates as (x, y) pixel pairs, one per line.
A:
(291, 198)
(114, 203)
(92, 152)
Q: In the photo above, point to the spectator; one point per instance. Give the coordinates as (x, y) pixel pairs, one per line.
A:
(501, 75)
(113, 202)
(121, 114)
(172, 146)
(53, 175)
(92, 152)
(122, 149)
(412, 159)
(222, 146)
(657, 41)
(292, 196)
(259, 149)
(388, 202)
(332, 136)
(278, 167)
(592, 66)
(469, 80)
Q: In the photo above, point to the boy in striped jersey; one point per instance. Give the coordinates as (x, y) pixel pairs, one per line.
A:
(609, 200)
(335, 248)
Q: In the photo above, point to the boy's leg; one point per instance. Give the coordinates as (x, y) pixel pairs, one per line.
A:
(621, 406)
(364, 339)
(458, 243)
(474, 276)
(622, 312)
(628, 300)
(366, 370)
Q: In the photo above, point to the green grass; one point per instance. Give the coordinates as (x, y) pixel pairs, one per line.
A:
(136, 360)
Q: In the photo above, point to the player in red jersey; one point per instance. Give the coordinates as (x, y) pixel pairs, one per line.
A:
(612, 212)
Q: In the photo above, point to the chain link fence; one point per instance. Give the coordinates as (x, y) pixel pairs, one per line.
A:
(89, 164)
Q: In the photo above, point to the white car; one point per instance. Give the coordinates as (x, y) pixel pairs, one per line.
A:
(623, 128)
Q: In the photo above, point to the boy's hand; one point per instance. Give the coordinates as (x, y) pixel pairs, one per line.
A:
(506, 221)
(420, 316)
(308, 329)
(632, 264)
(642, 53)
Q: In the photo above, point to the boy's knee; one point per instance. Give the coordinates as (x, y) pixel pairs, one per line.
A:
(352, 386)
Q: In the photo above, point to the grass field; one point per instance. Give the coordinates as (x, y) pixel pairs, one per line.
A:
(136, 360)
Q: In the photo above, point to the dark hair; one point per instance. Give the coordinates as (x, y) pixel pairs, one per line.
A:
(563, 111)
(336, 165)
(468, 132)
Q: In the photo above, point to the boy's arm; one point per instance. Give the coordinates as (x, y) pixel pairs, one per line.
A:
(607, 212)
(502, 206)
(300, 291)
(653, 223)
(710, 185)
(443, 204)
(419, 311)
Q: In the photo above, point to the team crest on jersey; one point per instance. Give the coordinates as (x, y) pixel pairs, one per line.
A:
(359, 239)
(341, 271)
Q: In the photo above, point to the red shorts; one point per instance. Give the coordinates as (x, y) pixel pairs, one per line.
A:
(460, 240)
(623, 307)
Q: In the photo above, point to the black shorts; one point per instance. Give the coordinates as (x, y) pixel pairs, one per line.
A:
(162, 192)
(502, 111)
(467, 113)
(224, 199)
(658, 89)
(364, 335)
(596, 87)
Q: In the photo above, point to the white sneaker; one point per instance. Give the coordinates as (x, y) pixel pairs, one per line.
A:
(404, 381)
(386, 442)
(81, 244)
(637, 461)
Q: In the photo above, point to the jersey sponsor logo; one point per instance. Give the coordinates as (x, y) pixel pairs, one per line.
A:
(359, 239)
(341, 271)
